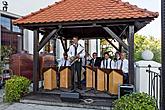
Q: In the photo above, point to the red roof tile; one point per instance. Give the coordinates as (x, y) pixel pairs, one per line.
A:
(82, 10)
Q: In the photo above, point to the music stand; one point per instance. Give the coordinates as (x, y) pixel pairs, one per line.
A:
(64, 77)
(109, 80)
(92, 89)
(103, 75)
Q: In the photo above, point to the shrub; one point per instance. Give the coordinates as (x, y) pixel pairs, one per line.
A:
(136, 101)
(15, 88)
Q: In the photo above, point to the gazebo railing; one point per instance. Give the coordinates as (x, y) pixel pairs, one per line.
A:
(154, 87)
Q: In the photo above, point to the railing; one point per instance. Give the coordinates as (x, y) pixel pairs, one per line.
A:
(154, 88)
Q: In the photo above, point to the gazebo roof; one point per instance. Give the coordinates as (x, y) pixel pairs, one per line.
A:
(86, 10)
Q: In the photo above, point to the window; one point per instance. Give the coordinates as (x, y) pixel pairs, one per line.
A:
(16, 29)
(6, 22)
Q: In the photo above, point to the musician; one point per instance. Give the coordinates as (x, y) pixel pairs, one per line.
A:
(122, 64)
(116, 58)
(96, 61)
(107, 63)
(76, 50)
(64, 61)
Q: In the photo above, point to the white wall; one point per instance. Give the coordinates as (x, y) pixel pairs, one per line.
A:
(25, 39)
(28, 41)
(93, 46)
(142, 77)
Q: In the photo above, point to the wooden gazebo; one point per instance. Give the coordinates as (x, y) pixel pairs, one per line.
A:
(109, 19)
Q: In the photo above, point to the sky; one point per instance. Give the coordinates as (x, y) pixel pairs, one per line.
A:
(24, 7)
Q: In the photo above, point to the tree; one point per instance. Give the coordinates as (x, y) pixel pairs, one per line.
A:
(150, 43)
(105, 47)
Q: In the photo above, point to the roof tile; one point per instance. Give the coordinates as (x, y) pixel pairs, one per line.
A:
(78, 10)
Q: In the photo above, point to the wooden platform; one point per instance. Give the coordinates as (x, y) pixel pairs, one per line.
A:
(101, 100)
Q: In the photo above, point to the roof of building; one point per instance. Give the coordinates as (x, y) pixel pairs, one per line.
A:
(85, 10)
(9, 14)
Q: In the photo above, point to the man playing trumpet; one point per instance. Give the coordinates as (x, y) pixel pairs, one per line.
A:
(76, 53)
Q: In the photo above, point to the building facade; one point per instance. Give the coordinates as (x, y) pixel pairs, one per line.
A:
(10, 35)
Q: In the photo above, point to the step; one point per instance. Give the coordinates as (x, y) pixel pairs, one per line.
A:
(53, 100)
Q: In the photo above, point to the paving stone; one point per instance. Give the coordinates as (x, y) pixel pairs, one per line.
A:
(21, 106)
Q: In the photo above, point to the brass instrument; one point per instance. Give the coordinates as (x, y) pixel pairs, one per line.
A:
(73, 59)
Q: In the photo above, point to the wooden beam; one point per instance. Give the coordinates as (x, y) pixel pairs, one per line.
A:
(131, 54)
(63, 44)
(47, 39)
(113, 35)
(123, 31)
(43, 38)
(111, 43)
(72, 23)
(36, 62)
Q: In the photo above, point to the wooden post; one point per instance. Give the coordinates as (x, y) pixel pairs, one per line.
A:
(54, 49)
(162, 96)
(36, 62)
(131, 54)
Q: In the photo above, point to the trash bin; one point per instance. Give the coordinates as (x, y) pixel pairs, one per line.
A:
(125, 89)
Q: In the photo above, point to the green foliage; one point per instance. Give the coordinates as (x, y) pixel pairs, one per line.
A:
(105, 47)
(136, 101)
(1, 66)
(6, 51)
(15, 88)
(142, 43)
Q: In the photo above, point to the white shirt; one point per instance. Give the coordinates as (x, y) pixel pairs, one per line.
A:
(71, 51)
(110, 64)
(115, 64)
(62, 62)
(124, 66)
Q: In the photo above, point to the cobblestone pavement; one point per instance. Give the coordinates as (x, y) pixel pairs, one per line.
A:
(3, 106)
(21, 106)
